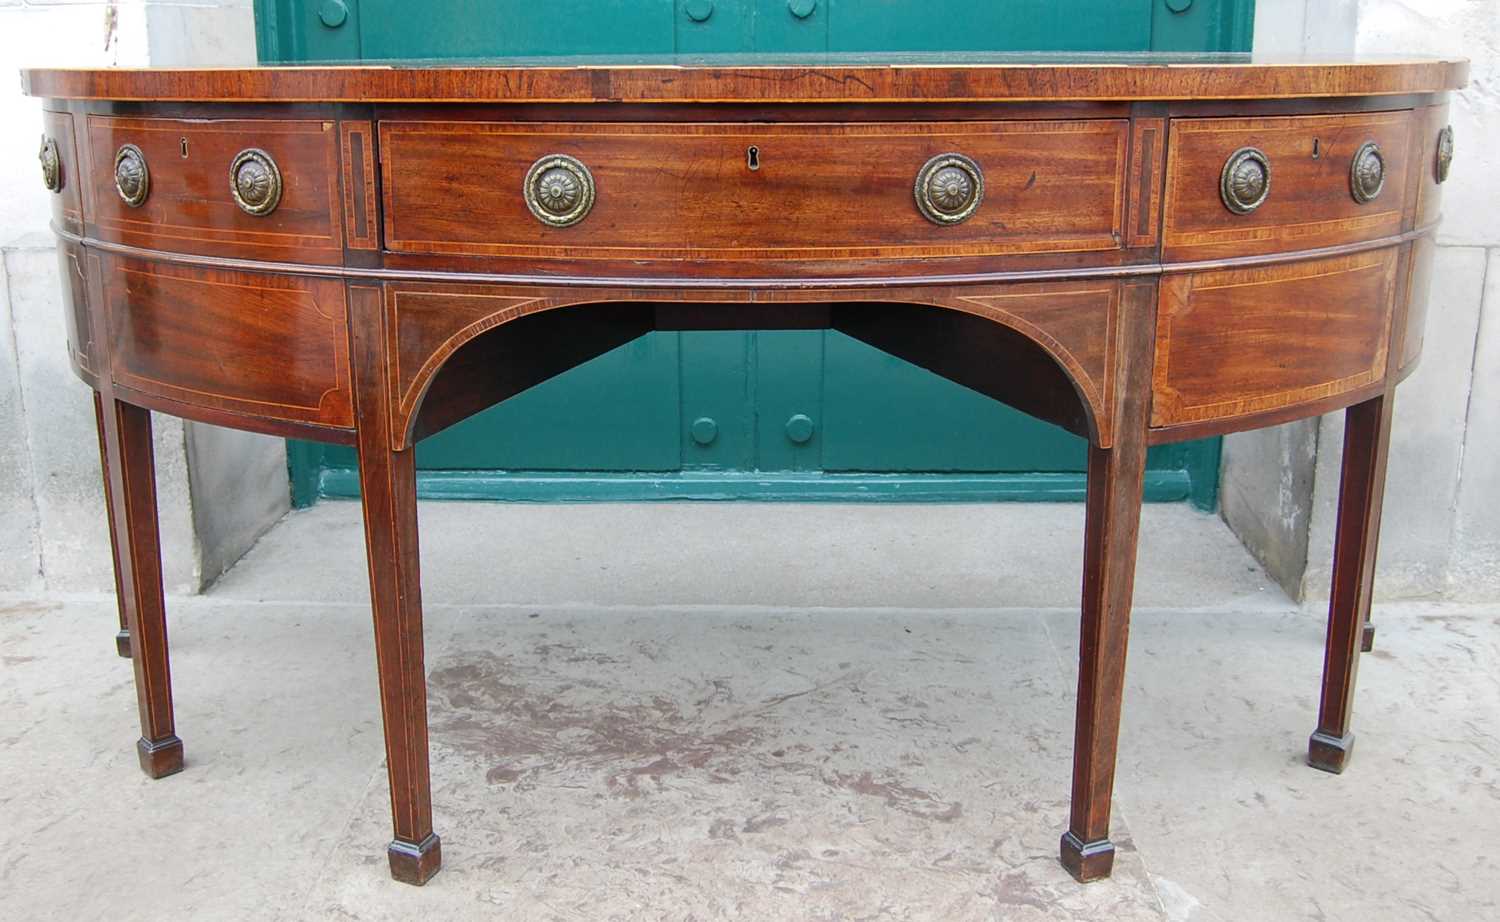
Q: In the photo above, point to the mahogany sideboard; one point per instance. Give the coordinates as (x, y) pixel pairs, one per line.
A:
(1136, 249)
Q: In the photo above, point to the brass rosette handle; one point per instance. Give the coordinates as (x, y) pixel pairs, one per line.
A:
(255, 181)
(1245, 182)
(51, 165)
(949, 188)
(1367, 173)
(1444, 154)
(132, 176)
(559, 190)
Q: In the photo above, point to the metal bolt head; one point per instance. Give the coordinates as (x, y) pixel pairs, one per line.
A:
(800, 428)
(704, 430)
(801, 8)
(333, 13)
(698, 10)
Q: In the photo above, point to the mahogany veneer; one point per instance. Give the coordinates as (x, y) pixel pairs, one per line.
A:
(1138, 251)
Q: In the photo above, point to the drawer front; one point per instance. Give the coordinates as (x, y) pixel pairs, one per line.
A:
(188, 205)
(58, 141)
(1310, 202)
(1431, 122)
(271, 346)
(1242, 341)
(820, 191)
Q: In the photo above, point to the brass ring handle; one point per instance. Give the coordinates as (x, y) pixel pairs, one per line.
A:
(559, 190)
(255, 181)
(949, 188)
(1444, 153)
(51, 165)
(1367, 173)
(1246, 180)
(132, 177)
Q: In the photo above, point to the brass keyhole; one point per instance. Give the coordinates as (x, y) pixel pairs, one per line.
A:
(183, 142)
(752, 157)
(1316, 152)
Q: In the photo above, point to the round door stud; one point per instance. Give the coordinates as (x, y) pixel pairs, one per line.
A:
(1245, 181)
(800, 428)
(255, 181)
(704, 430)
(1179, 6)
(1444, 153)
(1367, 173)
(51, 165)
(949, 189)
(698, 10)
(332, 13)
(132, 178)
(559, 190)
(801, 8)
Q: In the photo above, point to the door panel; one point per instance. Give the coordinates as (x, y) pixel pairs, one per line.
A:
(917, 421)
(1014, 25)
(465, 29)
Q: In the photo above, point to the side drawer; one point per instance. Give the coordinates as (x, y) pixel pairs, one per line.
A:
(188, 206)
(1310, 202)
(1241, 341)
(250, 343)
(698, 191)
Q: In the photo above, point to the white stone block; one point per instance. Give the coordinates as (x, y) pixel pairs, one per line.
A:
(1426, 450)
(62, 438)
(1475, 573)
(20, 553)
(1471, 197)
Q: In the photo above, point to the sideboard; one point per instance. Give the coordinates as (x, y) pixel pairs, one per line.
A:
(1136, 249)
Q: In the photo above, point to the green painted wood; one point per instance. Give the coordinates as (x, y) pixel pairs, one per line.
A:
(342, 482)
(790, 370)
(997, 25)
(476, 28)
(1203, 25)
(623, 426)
(715, 374)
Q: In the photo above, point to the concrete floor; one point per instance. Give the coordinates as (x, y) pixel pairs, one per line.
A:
(748, 712)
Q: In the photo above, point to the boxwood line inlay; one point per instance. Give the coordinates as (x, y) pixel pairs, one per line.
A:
(1138, 250)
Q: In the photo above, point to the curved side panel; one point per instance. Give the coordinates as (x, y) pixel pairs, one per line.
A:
(251, 344)
(83, 346)
(1246, 342)
(1418, 293)
(1074, 324)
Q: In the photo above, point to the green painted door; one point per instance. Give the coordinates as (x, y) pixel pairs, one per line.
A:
(810, 415)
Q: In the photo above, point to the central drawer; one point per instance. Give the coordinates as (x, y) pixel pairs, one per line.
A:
(738, 191)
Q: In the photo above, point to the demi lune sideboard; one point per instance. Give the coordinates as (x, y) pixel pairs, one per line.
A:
(1138, 250)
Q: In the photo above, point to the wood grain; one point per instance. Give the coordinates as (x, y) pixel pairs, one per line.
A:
(1240, 341)
(262, 345)
(932, 81)
(361, 197)
(388, 497)
(832, 191)
(189, 207)
(67, 202)
(1072, 324)
(1112, 521)
(1309, 205)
